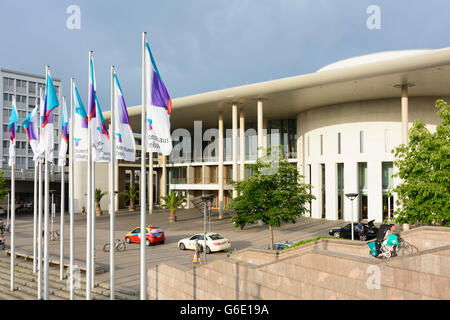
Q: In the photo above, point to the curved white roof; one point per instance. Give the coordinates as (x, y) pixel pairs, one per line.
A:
(373, 57)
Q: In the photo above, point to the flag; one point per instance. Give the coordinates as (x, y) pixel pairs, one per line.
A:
(12, 133)
(50, 103)
(80, 129)
(31, 125)
(158, 107)
(125, 143)
(99, 132)
(64, 138)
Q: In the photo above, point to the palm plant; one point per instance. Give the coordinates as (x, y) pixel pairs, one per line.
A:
(98, 197)
(131, 193)
(172, 202)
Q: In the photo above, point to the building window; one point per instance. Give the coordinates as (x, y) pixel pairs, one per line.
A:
(388, 184)
(308, 147)
(339, 143)
(340, 188)
(386, 141)
(361, 142)
(213, 174)
(197, 175)
(321, 144)
(322, 170)
(363, 190)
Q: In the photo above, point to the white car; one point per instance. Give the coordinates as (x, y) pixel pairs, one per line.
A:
(214, 242)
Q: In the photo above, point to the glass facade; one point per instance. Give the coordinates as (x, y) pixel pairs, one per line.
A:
(340, 188)
(363, 190)
(388, 185)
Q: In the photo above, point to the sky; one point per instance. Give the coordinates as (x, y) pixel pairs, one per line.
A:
(206, 45)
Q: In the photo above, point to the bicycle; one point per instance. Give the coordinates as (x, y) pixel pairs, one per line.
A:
(54, 236)
(405, 248)
(119, 245)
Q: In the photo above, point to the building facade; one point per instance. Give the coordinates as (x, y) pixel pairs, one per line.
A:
(338, 125)
(26, 89)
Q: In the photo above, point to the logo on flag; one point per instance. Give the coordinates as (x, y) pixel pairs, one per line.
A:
(158, 107)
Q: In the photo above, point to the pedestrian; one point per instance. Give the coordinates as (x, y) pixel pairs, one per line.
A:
(83, 211)
(2, 227)
(196, 258)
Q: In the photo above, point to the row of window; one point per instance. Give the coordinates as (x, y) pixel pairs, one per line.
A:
(387, 172)
(21, 86)
(387, 146)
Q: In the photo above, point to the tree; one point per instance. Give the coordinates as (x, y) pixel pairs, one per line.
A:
(271, 198)
(98, 197)
(131, 193)
(172, 202)
(3, 189)
(424, 167)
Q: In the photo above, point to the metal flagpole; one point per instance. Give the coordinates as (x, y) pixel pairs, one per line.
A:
(89, 197)
(46, 217)
(35, 211)
(143, 287)
(61, 241)
(39, 236)
(7, 212)
(112, 208)
(93, 214)
(71, 167)
(13, 227)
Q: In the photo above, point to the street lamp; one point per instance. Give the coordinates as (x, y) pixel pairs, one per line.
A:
(207, 200)
(352, 196)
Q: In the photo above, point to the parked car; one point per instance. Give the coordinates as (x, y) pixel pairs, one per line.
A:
(370, 231)
(278, 246)
(214, 242)
(153, 235)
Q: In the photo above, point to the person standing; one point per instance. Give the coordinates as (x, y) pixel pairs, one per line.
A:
(196, 258)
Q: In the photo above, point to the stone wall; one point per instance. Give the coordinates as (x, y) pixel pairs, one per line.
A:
(313, 271)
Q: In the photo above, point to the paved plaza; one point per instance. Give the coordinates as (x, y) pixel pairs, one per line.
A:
(189, 221)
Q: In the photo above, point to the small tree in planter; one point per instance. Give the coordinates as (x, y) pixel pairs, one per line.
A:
(172, 202)
(131, 193)
(98, 197)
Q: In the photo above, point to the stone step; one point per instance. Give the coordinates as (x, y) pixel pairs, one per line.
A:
(24, 271)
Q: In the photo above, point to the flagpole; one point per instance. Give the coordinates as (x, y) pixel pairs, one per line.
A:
(93, 214)
(89, 207)
(46, 215)
(13, 227)
(112, 208)
(35, 212)
(39, 236)
(143, 180)
(71, 189)
(61, 242)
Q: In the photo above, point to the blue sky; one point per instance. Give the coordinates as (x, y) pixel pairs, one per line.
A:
(204, 45)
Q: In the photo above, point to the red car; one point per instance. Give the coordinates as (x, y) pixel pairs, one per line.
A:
(154, 235)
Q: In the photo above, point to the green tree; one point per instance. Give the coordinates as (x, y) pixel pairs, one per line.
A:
(132, 194)
(3, 189)
(172, 202)
(271, 198)
(424, 167)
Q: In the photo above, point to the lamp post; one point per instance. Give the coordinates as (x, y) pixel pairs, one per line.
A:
(352, 196)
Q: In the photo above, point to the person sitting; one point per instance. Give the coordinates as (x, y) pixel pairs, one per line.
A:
(2, 242)
(390, 239)
(361, 231)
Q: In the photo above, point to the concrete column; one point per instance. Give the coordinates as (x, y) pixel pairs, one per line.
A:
(150, 184)
(316, 181)
(163, 176)
(234, 144)
(189, 195)
(242, 144)
(331, 191)
(116, 185)
(265, 134)
(260, 118)
(220, 169)
(351, 186)
(405, 114)
(375, 192)
(300, 144)
(131, 178)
